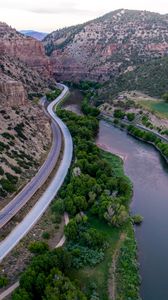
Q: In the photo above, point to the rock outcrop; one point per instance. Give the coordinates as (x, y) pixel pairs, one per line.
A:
(24, 63)
(12, 92)
(26, 49)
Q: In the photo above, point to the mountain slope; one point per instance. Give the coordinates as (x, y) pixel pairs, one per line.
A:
(150, 78)
(108, 46)
(25, 132)
(26, 49)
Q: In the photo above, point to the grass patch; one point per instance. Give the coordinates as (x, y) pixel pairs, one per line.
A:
(99, 274)
(158, 108)
(115, 161)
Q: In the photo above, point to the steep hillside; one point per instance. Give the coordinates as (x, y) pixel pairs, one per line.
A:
(25, 133)
(150, 78)
(34, 34)
(26, 49)
(33, 82)
(25, 137)
(108, 46)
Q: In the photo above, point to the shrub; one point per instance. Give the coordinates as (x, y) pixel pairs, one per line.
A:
(11, 178)
(38, 247)
(1, 171)
(137, 219)
(3, 281)
(7, 185)
(119, 114)
(130, 117)
(46, 235)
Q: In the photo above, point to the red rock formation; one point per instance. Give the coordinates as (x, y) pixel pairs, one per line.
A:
(26, 49)
(12, 93)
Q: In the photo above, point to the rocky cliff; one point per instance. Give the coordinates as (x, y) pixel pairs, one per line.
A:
(12, 92)
(25, 132)
(24, 65)
(106, 47)
(26, 49)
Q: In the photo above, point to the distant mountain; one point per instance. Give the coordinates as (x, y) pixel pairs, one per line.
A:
(105, 48)
(34, 34)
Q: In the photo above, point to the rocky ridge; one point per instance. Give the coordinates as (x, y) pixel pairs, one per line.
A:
(108, 46)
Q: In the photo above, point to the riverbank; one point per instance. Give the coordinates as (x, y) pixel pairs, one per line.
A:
(140, 133)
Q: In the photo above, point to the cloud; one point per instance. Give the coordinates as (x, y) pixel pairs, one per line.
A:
(60, 10)
(67, 7)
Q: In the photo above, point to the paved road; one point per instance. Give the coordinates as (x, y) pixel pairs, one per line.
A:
(37, 181)
(33, 216)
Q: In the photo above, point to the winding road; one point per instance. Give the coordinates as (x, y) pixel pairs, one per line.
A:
(36, 212)
(37, 181)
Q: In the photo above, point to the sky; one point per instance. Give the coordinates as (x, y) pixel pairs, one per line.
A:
(49, 15)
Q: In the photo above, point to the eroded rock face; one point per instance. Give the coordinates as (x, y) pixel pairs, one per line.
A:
(12, 93)
(25, 65)
(26, 49)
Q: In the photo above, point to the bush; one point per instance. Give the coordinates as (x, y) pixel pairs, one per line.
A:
(119, 114)
(38, 247)
(7, 185)
(3, 281)
(137, 219)
(11, 178)
(1, 171)
(46, 235)
(130, 116)
(84, 256)
(16, 169)
(165, 97)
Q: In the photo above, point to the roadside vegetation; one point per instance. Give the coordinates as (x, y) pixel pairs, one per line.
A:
(96, 194)
(52, 95)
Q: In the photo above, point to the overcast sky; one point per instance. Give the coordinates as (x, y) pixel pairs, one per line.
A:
(48, 15)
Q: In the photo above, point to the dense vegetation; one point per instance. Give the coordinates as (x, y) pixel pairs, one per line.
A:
(149, 78)
(150, 137)
(46, 278)
(53, 95)
(101, 192)
(128, 280)
(95, 192)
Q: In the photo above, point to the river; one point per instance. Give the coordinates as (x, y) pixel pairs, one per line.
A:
(149, 175)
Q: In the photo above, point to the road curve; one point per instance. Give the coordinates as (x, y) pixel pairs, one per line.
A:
(36, 212)
(37, 181)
